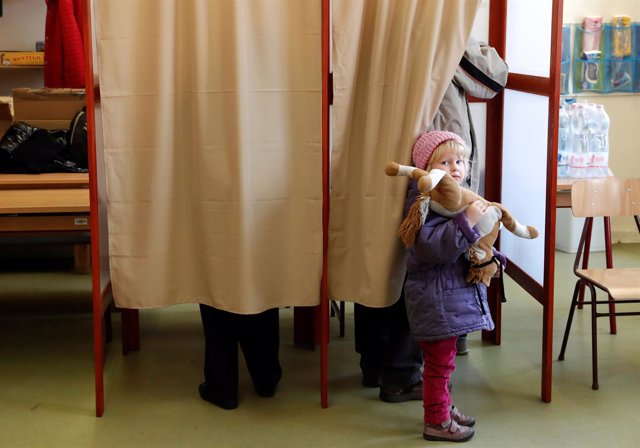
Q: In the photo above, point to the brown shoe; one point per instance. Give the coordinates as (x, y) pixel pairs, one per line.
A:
(401, 394)
(447, 432)
(460, 418)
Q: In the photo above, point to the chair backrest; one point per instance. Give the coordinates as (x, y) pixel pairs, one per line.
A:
(607, 196)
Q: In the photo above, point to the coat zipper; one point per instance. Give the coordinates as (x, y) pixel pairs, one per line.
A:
(479, 299)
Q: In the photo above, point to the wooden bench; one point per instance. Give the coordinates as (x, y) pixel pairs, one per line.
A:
(46, 204)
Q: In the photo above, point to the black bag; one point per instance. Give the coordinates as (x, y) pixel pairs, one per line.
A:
(77, 139)
(25, 149)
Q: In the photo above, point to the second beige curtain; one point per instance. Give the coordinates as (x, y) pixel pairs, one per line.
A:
(392, 63)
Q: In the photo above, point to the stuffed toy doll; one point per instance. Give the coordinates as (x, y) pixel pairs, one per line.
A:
(441, 193)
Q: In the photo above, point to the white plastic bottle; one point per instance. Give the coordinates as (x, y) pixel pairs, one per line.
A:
(564, 142)
(578, 162)
(600, 156)
(594, 138)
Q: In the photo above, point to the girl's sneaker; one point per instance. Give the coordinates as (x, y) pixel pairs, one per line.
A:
(460, 418)
(447, 432)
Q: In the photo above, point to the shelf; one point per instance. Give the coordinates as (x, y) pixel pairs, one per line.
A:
(20, 67)
(35, 201)
(580, 94)
(44, 180)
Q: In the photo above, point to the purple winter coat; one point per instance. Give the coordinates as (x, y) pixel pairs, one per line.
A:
(440, 304)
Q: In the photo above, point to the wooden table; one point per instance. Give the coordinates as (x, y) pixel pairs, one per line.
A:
(43, 203)
(563, 191)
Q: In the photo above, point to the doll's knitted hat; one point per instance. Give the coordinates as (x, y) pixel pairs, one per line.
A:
(427, 143)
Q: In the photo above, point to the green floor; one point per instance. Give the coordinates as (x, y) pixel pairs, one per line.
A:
(46, 380)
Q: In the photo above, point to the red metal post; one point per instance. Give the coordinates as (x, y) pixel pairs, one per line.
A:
(98, 308)
(324, 292)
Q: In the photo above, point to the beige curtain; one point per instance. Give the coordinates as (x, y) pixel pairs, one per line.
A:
(211, 116)
(392, 61)
(212, 119)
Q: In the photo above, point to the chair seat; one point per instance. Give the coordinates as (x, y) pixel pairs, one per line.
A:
(619, 283)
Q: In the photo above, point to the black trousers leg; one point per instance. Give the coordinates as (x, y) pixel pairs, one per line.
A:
(221, 352)
(260, 342)
(384, 341)
(371, 329)
(403, 360)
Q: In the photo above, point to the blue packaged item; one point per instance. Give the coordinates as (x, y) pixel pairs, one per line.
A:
(588, 39)
(619, 75)
(588, 72)
(618, 39)
(566, 43)
(565, 74)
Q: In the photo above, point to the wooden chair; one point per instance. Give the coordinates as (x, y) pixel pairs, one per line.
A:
(604, 197)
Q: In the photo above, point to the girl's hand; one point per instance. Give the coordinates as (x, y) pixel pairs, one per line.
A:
(475, 212)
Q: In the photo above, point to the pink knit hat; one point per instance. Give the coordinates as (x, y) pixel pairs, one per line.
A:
(427, 143)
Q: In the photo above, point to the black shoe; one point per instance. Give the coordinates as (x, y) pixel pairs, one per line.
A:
(401, 394)
(371, 378)
(227, 403)
(269, 390)
(266, 392)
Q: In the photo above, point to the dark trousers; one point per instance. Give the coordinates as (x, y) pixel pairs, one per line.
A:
(259, 339)
(385, 344)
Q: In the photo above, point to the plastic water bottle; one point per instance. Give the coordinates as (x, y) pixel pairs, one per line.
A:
(578, 162)
(594, 138)
(600, 143)
(564, 142)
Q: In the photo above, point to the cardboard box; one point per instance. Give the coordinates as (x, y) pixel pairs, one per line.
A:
(6, 114)
(22, 57)
(47, 108)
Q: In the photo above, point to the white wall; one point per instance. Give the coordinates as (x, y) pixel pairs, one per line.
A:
(575, 10)
(624, 109)
(21, 25)
(480, 31)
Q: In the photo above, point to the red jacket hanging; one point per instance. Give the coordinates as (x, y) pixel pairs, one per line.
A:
(64, 51)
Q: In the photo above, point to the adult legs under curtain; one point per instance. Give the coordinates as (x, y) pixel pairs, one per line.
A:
(389, 356)
(257, 336)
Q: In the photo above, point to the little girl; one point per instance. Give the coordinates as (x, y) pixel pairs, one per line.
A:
(440, 304)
